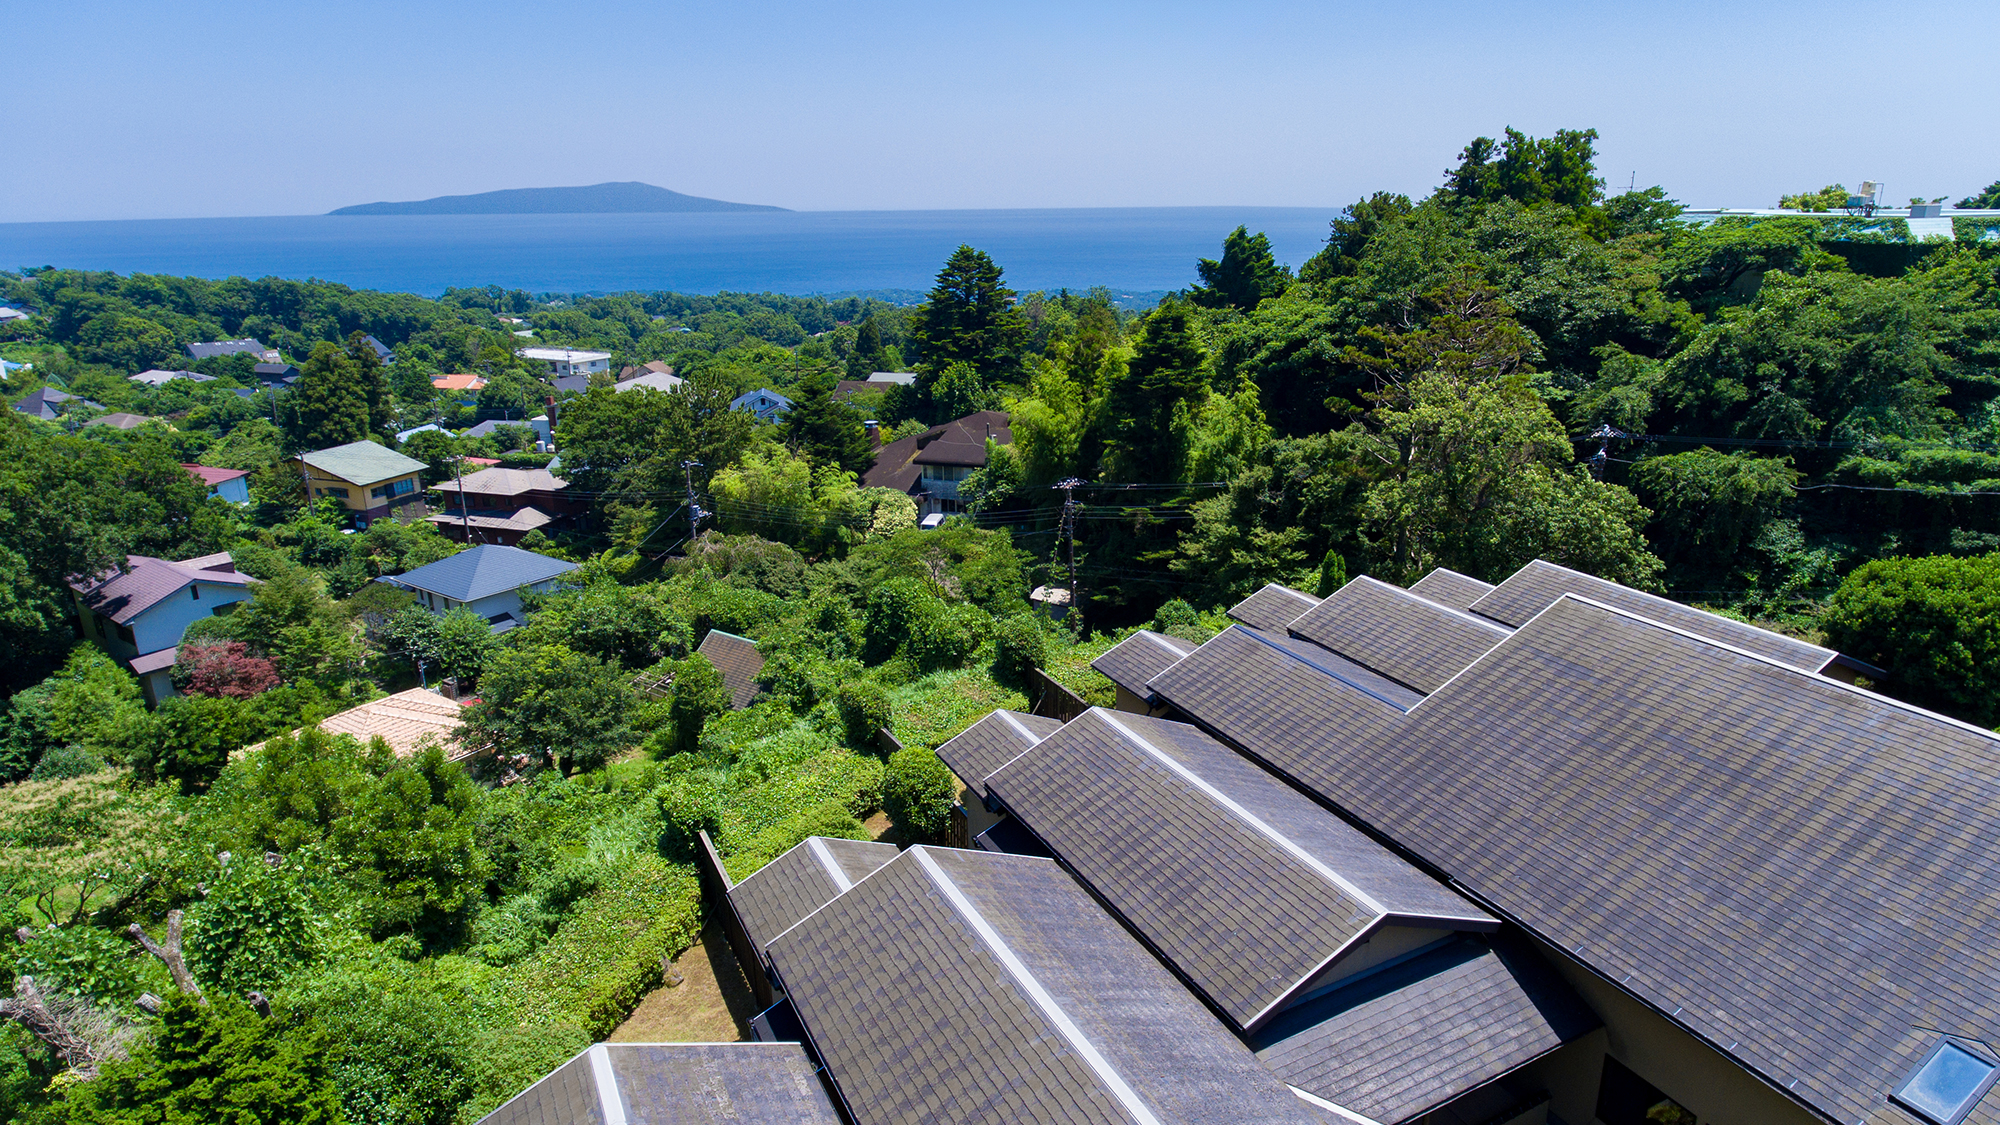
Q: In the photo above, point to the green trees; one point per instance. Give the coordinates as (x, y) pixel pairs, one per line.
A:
(1559, 169)
(215, 1062)
(699, 695)
(918, 793)
(1243, 277)
(413, 838)
(559, 707)
(1707, 505)
(864, 709)
(1985, 200)
(1933, 623)
(1148, 407)
(868, 354)
(1829, 198)
(825, 429)
(969, 318)
(456, 643)
(340, 397)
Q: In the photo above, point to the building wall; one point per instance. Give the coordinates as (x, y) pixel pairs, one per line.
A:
(1711, 1086)
(507, 601)
(360, 498)
(162, 625)
(235, 490)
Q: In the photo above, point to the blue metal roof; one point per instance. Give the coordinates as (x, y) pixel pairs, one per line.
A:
(482, 572)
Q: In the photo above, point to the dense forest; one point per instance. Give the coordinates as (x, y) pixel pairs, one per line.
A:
(1791, 420)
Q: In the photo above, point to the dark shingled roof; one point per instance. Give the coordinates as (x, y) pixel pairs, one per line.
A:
(1133, 662)
(1284, 700)
(1272, 607)
(992, 742)
(1404, 1040)
(739, 662)
(145, 583)
(971, 986)
(1449, 587)
(1798, 871)
(1537, 585)
(772, 899)
(961, 441)
(482, 572)
(677, 1084)
(1283, 887)
(1404, 636)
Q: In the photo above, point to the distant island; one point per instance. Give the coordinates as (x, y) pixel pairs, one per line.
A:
(597, 199)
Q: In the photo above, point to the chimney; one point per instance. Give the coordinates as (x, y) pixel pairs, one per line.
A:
(874, 429)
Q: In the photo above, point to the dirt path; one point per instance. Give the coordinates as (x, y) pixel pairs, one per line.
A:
(712, 1004)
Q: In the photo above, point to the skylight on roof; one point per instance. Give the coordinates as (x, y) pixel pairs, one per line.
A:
(1949, 1082)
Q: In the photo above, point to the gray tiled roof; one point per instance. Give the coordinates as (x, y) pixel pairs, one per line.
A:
(503, 482)
(772, 899)
(1282, 888)
(1537, 585)
(1402, 635)
(1404, 1040)
(225, 347)
(362, 462)
(992, 742)
(739, 662)
(957, 986)
(1797, 871)
(1272, 607)
(482, 572)
(1449, 587)
(124, 595)
(1274, 701)
(1133, 662)
(677, 1084)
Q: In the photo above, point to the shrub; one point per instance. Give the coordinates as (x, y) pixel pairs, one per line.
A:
(398, 1044)
(87, 962)
(864, 710)
(918, 793)
(828, 818)
(1020, 646)
(65, 762)
(220, 1062)
(947, 637)
(226, 668)
(699, 695)
(254, 930)
(1933, 623)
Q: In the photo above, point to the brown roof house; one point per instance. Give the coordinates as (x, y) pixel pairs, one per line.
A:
(502, 505)
(138, 614)
(369, 480)
(739, 662)
(931, 465)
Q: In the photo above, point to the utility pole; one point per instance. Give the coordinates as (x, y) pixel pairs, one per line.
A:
(1068, 486)
(1598, 460)
(694, 508)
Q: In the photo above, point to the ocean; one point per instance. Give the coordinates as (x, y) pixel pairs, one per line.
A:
(1139, 250)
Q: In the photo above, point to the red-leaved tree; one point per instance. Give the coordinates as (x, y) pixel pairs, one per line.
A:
(225, 668)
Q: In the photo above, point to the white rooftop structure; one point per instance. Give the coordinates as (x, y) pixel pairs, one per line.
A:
(559, 362)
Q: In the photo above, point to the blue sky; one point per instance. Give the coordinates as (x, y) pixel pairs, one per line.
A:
(124, 109)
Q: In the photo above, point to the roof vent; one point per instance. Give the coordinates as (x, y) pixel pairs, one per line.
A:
(1948, 1082)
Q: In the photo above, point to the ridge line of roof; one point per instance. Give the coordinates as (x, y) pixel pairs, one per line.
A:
(1342, 1111)
(825, 858)
(1815, 677)
(1466, 615)
(773, 939)
(1037, 995)
(1007, 716)
(1299, 594)
(1166, 642)
(1257, 635)
(1651, 597)
(1252, 819)
(611, 1101)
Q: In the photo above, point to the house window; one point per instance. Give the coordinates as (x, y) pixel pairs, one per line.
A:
(224, 610)
(194, 592)
(125, 634)
(1948, 1082)
(1624, 1098)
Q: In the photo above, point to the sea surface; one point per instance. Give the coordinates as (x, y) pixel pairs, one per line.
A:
(802, 252)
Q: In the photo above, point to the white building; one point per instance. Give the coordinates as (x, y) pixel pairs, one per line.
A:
(560, 362)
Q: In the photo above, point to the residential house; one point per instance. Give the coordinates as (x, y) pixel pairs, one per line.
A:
(138, 614)
(539, 426)
(275, 374)
(408, 721)
(8, 314)
(739, 662)
(245, 346)
(768, 405)
(156, 378)
(558, 362)
(931, 465)
(893, 378)
(502, 505)
(232, 485)
(681, 1083)
(119, 420)
(465, 386)
(382, 353)
(49, 404)
(651, 380)
(650, 367)
(368, 479)
(427, 428)
(489, 579)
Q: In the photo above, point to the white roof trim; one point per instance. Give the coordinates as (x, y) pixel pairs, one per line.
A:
(826, 860)
(1247, 817)
(607, 1085)
(1341, 1112)
(1078, 1042)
